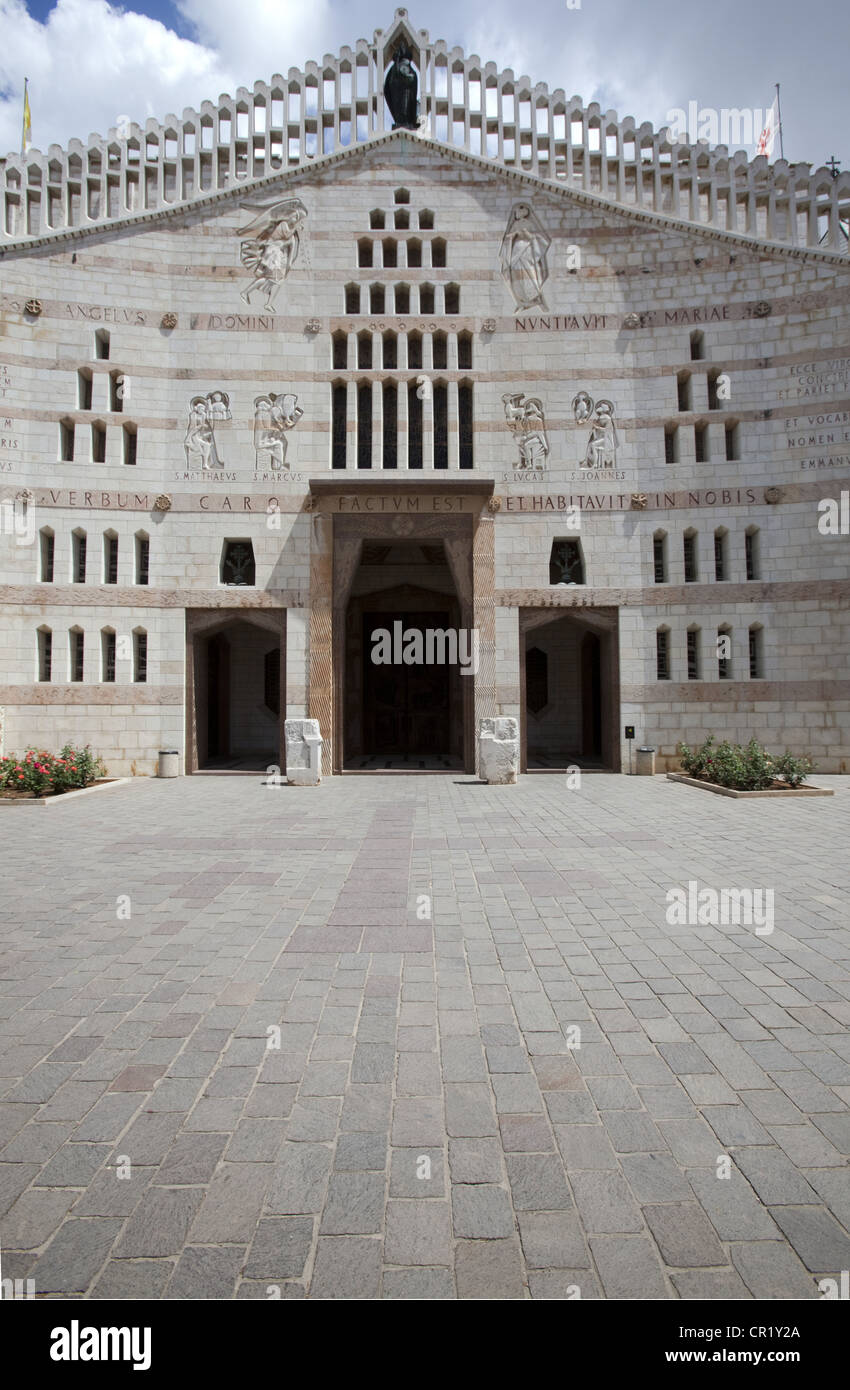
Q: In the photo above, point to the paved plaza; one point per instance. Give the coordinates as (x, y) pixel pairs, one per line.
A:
(430, 949)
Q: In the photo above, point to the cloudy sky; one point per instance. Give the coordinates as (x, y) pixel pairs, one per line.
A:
(89, 62)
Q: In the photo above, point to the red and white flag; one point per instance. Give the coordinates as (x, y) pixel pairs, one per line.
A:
(767, 139)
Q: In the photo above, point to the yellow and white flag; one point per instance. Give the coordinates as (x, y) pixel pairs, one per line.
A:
(26, 128)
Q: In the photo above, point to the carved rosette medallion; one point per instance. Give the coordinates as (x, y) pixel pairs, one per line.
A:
(494, 504)
(33, 307)
(773, 494)
(168, 320)
(162, 503)
(638, 501)
(762, 309)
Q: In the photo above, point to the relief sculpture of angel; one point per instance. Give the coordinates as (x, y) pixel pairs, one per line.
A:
(273, 245)
(273, 416)
(522, 257)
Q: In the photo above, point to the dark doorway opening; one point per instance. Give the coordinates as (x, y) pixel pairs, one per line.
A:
(570, 690)
(235, 711)
(406, 708)
(401, 715)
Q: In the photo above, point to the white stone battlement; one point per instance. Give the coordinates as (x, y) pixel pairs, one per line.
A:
(465, 104)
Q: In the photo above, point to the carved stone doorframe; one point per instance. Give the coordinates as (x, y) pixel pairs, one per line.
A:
(205, 622)
(336, 545)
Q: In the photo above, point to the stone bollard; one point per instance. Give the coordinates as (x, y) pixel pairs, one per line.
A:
(645, 762)
(498, 750)
(303, 752)
(169, 763)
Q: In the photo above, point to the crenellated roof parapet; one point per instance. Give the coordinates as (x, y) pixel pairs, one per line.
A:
(465, 104)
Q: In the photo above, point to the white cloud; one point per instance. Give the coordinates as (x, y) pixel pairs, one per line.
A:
(89, 63)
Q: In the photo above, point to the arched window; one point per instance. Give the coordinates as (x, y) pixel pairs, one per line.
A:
(364, 425)
(76, 642)
(662, 654)
(140, 655)
(756, 644)
(339, 413)
(721, 547)
(78, 557)
(402, 299)
(376, 220)
(402, 221)
(339, 351)
(464, 352)
(693, 653)
(452, 299)
(390, 254)
(414, 350)
(566, 562)
(237, 563)
(438, 252)
(143, 553)
(689, 554)
(724, 653)
(47, 549)
(683, 390)
(98, 442)
(426, 299)
(440, 349)
(377, 299)
(364, 252)
(426, 220)
(414, 253)
(364, 351)
(751, 549)
(659, 557)
(107, 654)
(696, 346)
(45, 654)
(352, 299)
(390, 350)
(110, 557)
(401, 195)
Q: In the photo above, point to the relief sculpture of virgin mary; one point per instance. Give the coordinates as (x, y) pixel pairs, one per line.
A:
(522, 255)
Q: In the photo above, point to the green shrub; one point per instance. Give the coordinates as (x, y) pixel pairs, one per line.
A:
(745, 768)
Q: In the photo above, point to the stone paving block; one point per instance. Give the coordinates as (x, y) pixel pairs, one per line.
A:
(470, 1112)
(280, 1248)
(206, 1273)
(418, 1284)
(133, 1279)
(632, 1132)
(160, 1223)
(36, 1143)
(585, 1146)
(489, 1270)
(14, 1179)
(475, 1160)
(709, 1284)
(418, 1234)
(482, 1212)
(537, 1182)
(110, 1195)
(773, 1176)
(771, 1270)
(733, 1208)
(232, 1205)
(734, 1124)
(684, 1235)
(74, 1165)
(300, 1178)
(656, 1177)
(361, 1151)
(525, 1133)
(552, 1240)
(516, 1095)
(605, 1203)
(628, 1267)
(35, 1216)
(347, 1267)
(256, 1140)
(821, 1244)
(192, 1159)
(355, 1204)
(74, 1256)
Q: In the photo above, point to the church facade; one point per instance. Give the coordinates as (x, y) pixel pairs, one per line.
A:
(505, 380)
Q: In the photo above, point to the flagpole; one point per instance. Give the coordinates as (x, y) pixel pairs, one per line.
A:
(779, 114)
(24, 120)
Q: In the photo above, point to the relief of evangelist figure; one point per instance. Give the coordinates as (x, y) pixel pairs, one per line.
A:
(273, 416)
(602, 445)
(204, 413)
(272, 250)
(522, 256)
(526, 420)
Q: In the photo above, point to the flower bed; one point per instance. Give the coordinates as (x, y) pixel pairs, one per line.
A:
(40, 774)
(744, 770)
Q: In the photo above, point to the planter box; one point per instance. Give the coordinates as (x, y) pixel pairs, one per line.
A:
(730, 791)
(30, 799)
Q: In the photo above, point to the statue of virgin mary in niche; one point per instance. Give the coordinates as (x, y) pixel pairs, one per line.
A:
(523, 258)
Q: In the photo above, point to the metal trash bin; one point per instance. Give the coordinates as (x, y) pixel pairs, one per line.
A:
(645, 762)
(169, 763)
